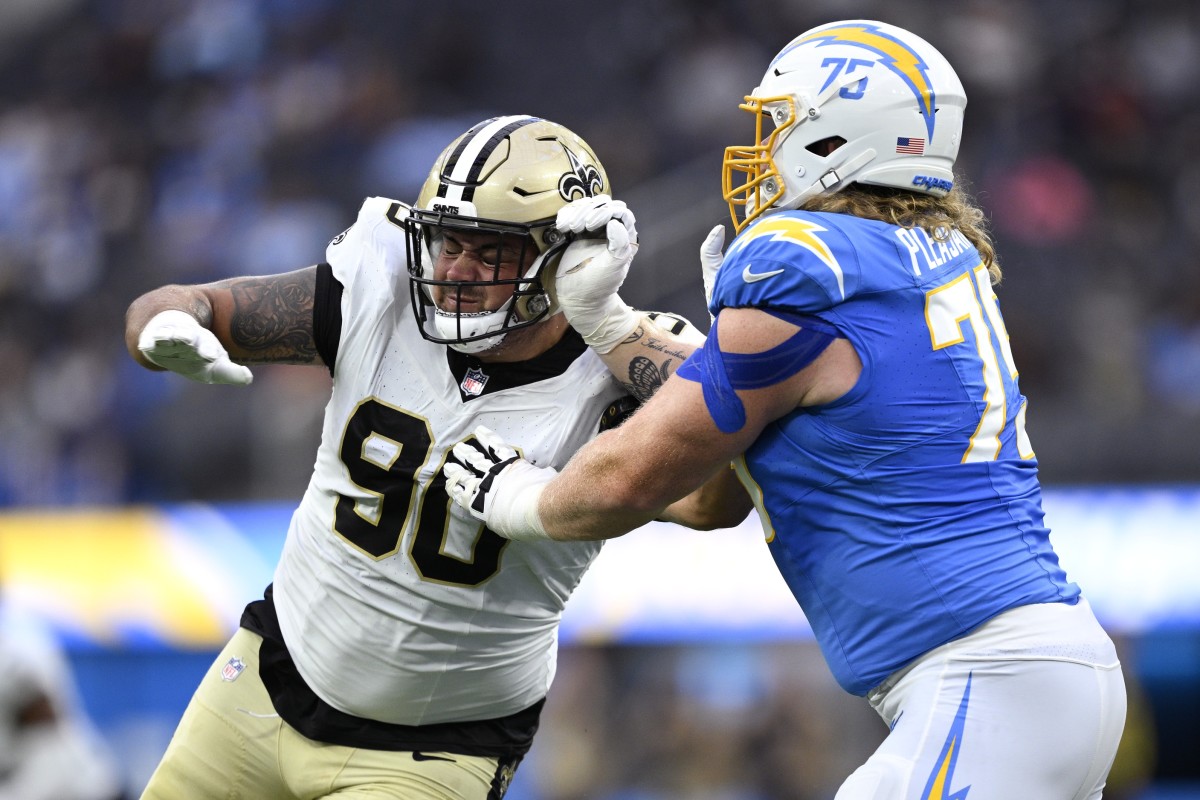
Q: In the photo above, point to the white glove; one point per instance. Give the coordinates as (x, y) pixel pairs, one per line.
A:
(592, 270)
(711, 258)
(174, 340)
(590, 214)
(497, 486)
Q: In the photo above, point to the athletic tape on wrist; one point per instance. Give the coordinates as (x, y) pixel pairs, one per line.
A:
(619, 321)
(518, 519)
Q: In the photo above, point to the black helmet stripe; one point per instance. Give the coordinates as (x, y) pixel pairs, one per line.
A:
(460, 173)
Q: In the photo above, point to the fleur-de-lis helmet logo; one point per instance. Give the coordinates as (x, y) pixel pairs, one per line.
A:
(584, 180)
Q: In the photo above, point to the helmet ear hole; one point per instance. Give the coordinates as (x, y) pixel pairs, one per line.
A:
(826, 146)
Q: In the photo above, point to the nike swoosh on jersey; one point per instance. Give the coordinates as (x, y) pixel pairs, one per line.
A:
(753, 277)
(419, 756)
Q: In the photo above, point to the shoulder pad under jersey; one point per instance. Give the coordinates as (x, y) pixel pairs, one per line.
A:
(792, 259)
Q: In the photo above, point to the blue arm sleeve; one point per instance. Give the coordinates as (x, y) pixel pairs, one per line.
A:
(720, 374)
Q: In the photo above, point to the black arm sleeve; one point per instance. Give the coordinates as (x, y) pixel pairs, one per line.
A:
(327, 315)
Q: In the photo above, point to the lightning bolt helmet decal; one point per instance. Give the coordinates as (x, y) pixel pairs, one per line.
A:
(855, 101)
(893, 53)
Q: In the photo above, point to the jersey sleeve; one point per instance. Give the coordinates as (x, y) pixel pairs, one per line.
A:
(369, 261)
(372, 250)
(792, 260)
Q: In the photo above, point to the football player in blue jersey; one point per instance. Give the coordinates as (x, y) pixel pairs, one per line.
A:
(859, 377)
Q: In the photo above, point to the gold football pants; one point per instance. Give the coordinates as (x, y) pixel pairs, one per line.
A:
(231, 744)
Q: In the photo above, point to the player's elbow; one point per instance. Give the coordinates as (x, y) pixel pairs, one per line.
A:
(712, 518)
(707, 516)
(721, 502)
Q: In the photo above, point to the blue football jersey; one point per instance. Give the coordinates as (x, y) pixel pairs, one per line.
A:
(909, 511)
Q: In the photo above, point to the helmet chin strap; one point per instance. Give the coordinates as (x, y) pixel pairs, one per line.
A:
(452, 325)
(833, 177)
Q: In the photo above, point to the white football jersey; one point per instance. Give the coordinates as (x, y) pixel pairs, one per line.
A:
(396, 605)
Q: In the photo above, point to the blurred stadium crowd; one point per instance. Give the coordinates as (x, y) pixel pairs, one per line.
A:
(152, 141)
(144, 142)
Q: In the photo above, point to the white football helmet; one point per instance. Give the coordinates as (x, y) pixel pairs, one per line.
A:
(855, 101)
(507, 176)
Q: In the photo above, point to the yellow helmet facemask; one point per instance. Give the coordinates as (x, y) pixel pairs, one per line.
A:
(760, 188)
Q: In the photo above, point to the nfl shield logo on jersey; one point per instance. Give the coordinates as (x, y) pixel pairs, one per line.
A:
(474, 382)
(233, 667)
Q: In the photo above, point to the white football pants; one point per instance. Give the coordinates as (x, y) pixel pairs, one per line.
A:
(1030, 705)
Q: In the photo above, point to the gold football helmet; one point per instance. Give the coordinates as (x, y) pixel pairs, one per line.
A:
(506, 176)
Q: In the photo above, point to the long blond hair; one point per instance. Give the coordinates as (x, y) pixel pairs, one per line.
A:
(935, 215)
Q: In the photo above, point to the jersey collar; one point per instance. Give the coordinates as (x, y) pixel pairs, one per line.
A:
(477, 378)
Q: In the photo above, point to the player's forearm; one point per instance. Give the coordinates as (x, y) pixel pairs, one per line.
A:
(648, 356)
(574, 507)
(668, 453)
(609, 488)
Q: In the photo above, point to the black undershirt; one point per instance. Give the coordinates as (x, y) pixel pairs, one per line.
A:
(300, 707)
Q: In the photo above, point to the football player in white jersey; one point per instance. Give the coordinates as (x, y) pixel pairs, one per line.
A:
(403, 649)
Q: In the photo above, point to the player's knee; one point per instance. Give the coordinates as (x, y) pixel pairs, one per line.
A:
(881, 778)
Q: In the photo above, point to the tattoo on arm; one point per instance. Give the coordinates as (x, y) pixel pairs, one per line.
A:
(646, 376)
(273, 318)
(647, 373)
(202, 311)
(634, 335)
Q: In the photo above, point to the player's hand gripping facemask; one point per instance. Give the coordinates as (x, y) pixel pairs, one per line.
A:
(592, 270)
(711, 258)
